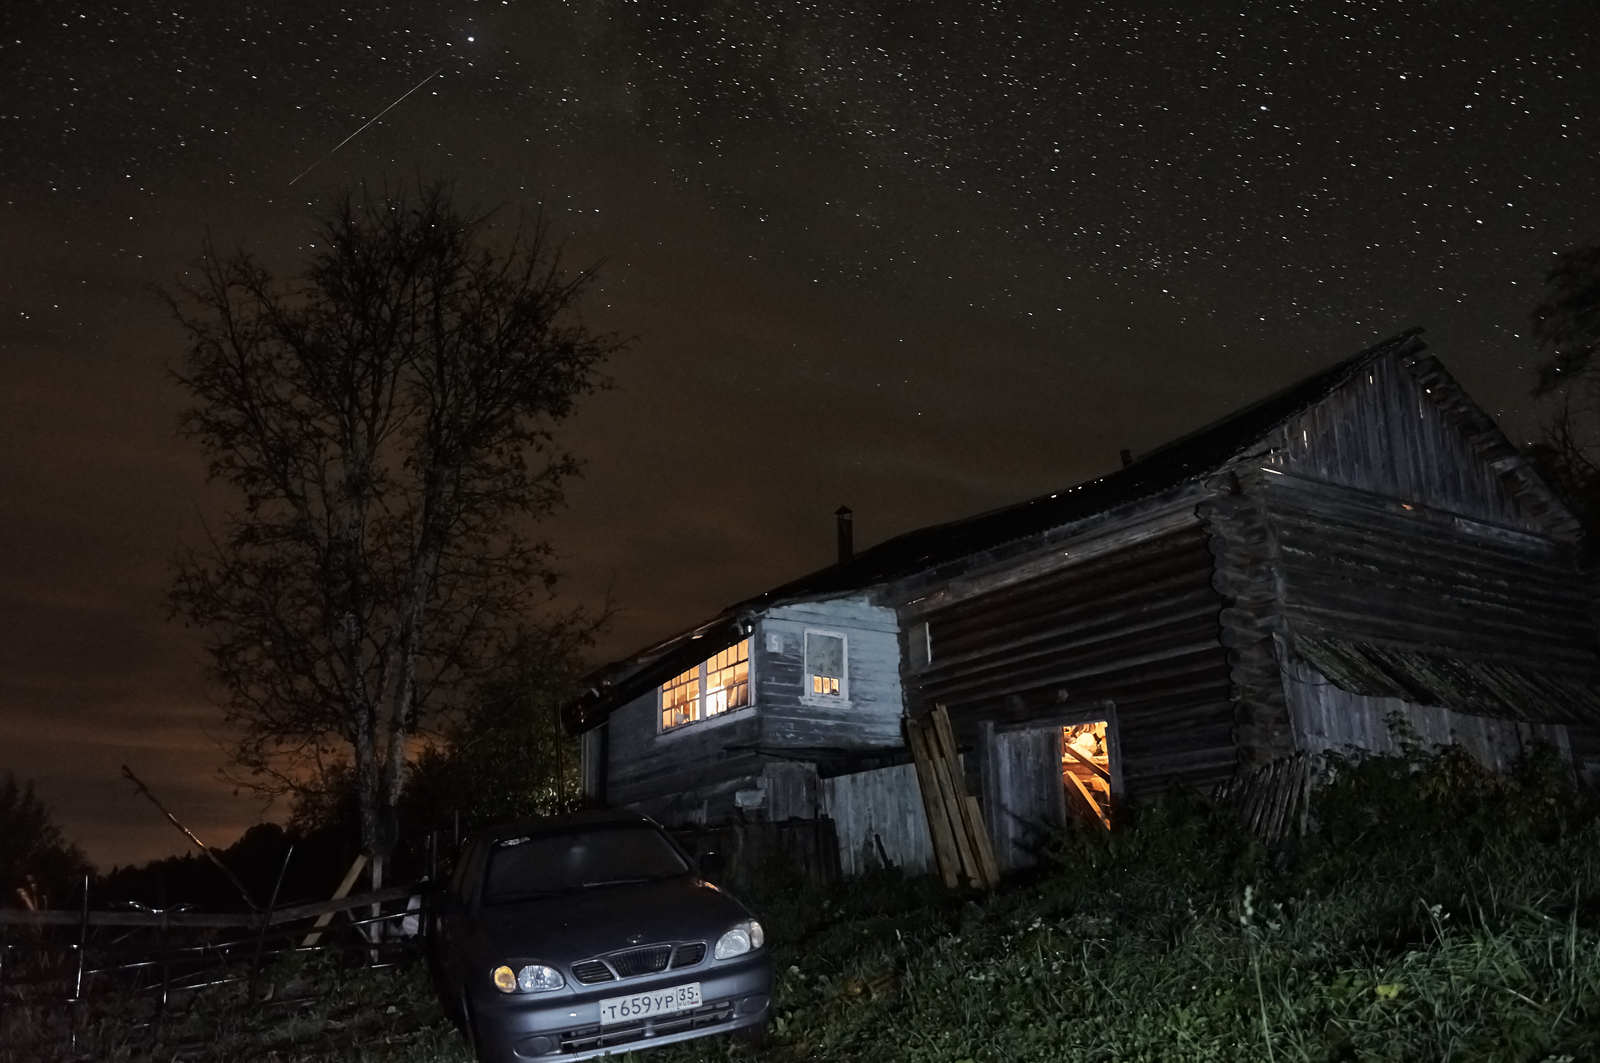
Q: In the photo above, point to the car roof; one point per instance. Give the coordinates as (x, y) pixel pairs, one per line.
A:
(596, 818)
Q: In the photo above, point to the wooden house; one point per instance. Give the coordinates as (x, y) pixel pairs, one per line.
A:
(1361, 543)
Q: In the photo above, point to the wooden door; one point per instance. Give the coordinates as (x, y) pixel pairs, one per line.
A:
(1023, 801)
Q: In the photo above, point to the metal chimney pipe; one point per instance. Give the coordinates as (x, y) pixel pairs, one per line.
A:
(843, 522)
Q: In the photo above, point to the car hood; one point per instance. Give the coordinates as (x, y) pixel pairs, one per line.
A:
(574, 926)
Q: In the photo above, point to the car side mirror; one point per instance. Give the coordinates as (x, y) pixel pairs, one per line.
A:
(712, 864)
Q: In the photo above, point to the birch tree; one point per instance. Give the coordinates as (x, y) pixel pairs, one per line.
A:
(386, 421)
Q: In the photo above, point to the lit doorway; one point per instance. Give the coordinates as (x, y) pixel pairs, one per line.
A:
(1087, 771)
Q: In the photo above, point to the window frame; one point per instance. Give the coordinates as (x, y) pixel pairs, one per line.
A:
(824, 700)
(701, 672)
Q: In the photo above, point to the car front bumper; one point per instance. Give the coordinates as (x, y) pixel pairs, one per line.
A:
(566, 1025)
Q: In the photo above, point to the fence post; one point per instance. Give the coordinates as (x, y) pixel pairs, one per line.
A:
(5, 947)
(75, 1004)
(166, 978)
(266, 922)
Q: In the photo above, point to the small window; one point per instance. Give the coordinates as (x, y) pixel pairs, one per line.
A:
(710, 688)
(919, 645)
(825, 671)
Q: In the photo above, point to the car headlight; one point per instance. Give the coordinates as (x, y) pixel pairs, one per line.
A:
(742, 938)
(533, 978)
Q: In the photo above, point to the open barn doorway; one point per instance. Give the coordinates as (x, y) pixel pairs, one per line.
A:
(1088, 770)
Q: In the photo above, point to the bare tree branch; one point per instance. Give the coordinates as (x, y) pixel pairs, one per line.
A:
(388, 422)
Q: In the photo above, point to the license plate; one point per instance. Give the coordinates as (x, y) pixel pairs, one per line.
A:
(636, 1006)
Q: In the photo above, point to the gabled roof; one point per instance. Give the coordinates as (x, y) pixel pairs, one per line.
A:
(1186, 458)
(1190, 458)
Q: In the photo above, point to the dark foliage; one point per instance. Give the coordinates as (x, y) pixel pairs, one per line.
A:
(387, 422)
(1567, 323)
(1567, 327)
(35, 858)
(1434, 911)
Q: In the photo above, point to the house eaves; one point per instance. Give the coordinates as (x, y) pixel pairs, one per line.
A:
(1189, 458)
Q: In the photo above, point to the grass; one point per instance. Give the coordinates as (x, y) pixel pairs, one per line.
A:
(303, 1009)
(1433, 913)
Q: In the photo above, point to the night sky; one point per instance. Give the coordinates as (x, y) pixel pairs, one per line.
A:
(923, 261)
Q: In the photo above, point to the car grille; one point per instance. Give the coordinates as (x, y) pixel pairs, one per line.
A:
(590, 972)
(641, 961)
(689, 955)
(591, 1037)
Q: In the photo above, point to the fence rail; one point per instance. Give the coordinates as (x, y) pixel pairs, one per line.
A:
(201, 920)
(53, 962)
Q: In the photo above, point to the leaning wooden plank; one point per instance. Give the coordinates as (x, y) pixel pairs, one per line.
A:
(344, 888)
(950, 795)
(1098, 769)
(192, 836)
(949, 790)
(967, 815)
(294, 913)
(970, 816)
(981, 844)
(1088, 799)
(944, 850)
(946, 736)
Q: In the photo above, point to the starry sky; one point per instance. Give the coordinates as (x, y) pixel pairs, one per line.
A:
(919, 258)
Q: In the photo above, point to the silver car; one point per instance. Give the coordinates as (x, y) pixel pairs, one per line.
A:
(575, 936)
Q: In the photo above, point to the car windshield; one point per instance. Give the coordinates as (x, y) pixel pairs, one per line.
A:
(520, 868)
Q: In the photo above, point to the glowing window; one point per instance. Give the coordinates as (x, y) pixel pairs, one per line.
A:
(712, 687)
(825, 671)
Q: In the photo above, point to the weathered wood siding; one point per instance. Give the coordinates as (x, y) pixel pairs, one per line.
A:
(877, 816)
(752, 762)
(1327, 717)
(1386, 432)
(1022, 795)
(691, 774)
(1359, 566)
(869, 718)
(1392, 514)
(1137, 626)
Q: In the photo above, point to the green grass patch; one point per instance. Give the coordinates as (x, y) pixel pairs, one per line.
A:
(1434, 912)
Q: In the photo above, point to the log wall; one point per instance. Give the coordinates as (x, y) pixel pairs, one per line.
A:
(1355, 565)
(1138, 627)
(1245, 574)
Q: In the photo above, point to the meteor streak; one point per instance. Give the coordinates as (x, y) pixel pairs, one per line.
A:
(363, 129)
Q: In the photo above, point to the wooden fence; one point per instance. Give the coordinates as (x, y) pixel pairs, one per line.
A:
(1273, 801)
(879, 820)
(142, 963)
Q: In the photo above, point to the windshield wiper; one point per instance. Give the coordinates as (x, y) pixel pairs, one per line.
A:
(618, 882)
(518, 898)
